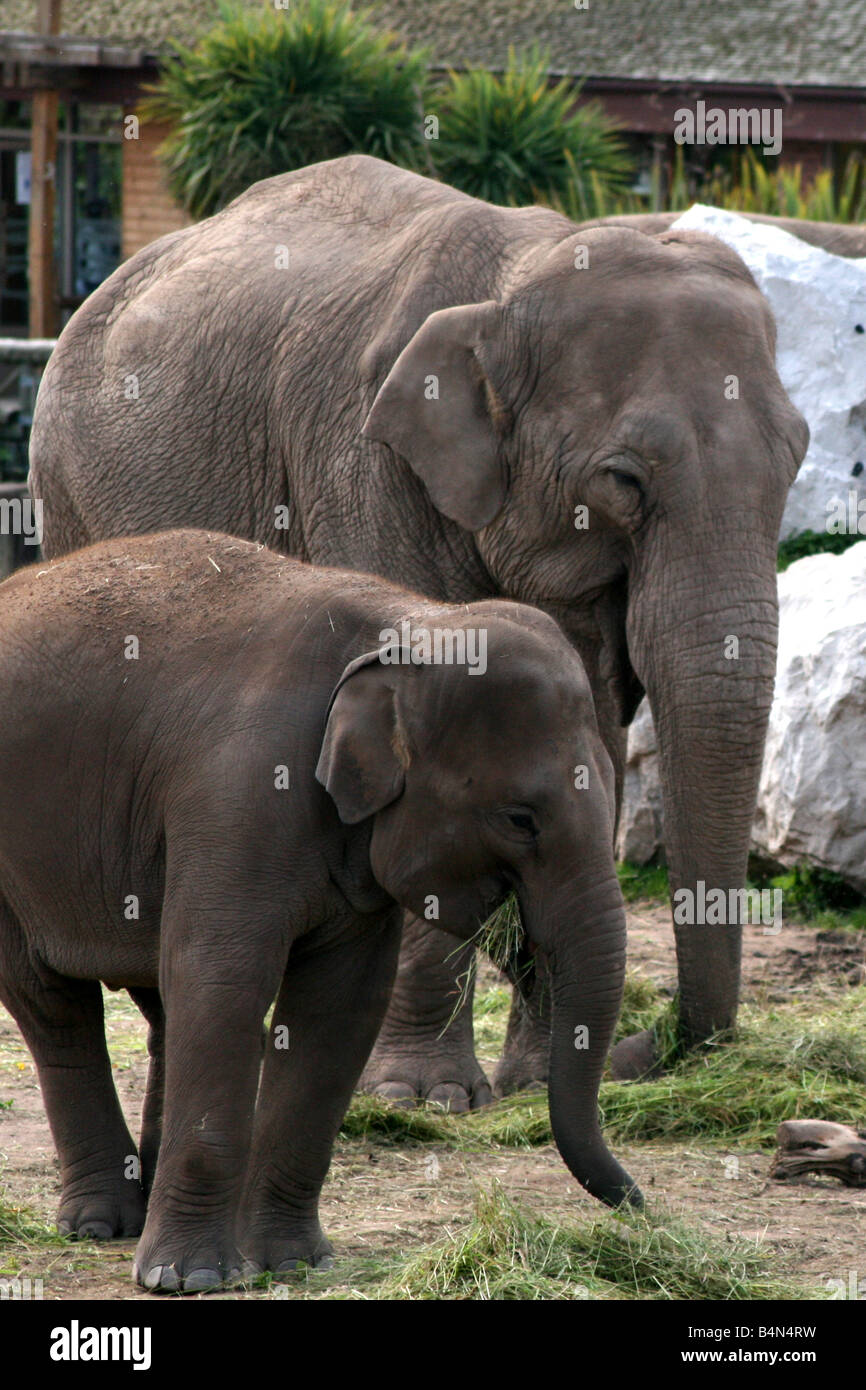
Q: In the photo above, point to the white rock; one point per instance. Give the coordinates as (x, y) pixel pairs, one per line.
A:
(812, 798)
(818, 300)
(640, 836)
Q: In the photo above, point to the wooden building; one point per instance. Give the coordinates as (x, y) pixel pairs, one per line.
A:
(644, 61)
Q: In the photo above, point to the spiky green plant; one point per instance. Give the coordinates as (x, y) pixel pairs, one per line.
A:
(784, 192)
(515, 138)
(265, 91)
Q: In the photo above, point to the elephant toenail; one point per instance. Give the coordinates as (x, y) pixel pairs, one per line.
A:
(202, 1280)
(95, 1230)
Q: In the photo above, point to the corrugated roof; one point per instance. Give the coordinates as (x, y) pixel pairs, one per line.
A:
(796, 42)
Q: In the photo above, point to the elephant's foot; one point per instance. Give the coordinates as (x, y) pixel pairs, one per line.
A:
(442, 1071)
(518, 1072)
(106, 1212)
(636, 1058)
(425, 1049)
(272, 1243)
(170, 1262)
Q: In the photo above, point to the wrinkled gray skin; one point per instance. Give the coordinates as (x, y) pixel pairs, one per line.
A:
(429, 390)
(835, 237)
(155, 777)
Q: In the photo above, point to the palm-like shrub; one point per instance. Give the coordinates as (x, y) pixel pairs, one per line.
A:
(514, 138)
(266, 90)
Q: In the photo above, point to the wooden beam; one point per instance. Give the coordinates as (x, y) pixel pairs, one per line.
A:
(43, 183)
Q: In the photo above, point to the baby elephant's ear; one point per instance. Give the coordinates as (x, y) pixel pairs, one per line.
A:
(364, 757)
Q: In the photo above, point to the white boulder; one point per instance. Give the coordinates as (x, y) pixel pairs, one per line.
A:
(812, 798)
(819, 301)
(640, 836)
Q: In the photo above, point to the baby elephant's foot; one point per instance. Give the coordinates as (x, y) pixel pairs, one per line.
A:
(186, 1264)
(275, 1246)
(108, 1213)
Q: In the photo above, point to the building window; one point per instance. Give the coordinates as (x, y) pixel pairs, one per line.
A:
(87, 209)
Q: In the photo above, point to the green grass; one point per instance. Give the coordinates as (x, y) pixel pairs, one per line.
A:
(508, 1253)
(642, 1003)
(643, 882)
(18, 1226)
(783, 1064)
(814, 896)
(797, 1060)
(490, 1016)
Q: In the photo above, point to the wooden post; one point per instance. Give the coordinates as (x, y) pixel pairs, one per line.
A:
(43, 183)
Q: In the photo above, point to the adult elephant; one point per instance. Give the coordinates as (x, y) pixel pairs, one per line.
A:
(366, 368)
(840, 239)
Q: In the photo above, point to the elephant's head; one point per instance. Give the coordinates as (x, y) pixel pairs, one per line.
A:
(614, 433)
(478, 783)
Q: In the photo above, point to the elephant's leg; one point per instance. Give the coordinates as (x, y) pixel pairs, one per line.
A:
(426, 1046)
(223, 953)
(150, 1003)
(62, 1022)
(526, 1050)
(328, 1012)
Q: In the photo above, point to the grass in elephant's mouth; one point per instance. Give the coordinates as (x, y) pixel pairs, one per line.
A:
(799, 1060)
(507, 1252)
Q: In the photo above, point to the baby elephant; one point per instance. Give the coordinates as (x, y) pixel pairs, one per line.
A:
(225, 776)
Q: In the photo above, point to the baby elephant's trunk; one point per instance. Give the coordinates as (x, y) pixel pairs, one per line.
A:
(581, 926)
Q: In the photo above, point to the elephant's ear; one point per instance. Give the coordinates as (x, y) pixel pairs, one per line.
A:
(440, 409)
(364, 757)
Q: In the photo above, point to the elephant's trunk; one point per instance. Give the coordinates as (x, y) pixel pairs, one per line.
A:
(707, 659)
(582, 929)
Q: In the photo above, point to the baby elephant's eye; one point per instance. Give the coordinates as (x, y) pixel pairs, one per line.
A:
(522, 820)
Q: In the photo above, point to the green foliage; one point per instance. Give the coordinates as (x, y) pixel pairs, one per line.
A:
(783, 192)
(265, 91)
(19, 1227)
(787, 1063)
(643, 882)
(750, 187)
(490, 1018)
(514, 138)
(811, 892)
(507, 1253)
(805, 543)
(641, 1004)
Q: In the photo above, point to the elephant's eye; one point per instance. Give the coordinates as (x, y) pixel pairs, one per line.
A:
(628, 480)
(522, 821)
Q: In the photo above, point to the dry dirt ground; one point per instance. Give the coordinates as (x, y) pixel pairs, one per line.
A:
(382, 1199)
